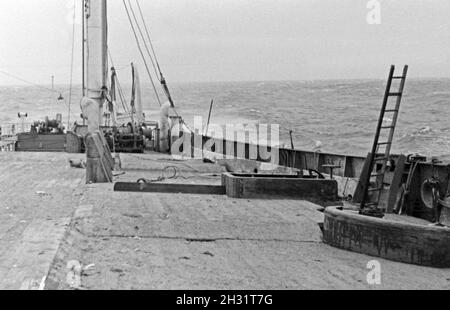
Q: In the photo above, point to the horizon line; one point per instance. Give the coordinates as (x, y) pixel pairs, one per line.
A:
(23, 84)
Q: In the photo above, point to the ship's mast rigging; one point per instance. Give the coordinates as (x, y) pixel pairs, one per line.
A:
(116, 88)
(150, 50)
(140, 50)
(95, 53)
(95, 61)
(83, 48)
(145, 43)
(71, 63)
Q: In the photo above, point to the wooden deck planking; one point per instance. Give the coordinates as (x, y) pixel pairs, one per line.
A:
(30, 260)
(164, 241)
(32, 225)
(218, 242)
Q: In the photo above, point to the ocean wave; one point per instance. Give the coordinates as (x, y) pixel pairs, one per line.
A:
(341, 114)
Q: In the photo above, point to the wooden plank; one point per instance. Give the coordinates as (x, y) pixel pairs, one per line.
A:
(31, 259)
(41, 143)
(395, 184)
(170, 188)
(248, 186)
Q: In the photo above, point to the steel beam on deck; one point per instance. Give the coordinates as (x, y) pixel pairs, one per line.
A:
(170, 188)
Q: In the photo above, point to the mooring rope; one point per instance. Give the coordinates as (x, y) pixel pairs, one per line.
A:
(29, 83)
(176, 174)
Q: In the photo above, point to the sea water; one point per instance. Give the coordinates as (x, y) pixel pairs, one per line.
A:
(338, 116)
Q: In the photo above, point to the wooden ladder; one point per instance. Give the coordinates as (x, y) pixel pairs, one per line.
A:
(381, 149)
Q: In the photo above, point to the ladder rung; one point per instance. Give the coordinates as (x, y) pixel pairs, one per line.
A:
(398, 77)
(375, 189)
(395, 94)
(387, 127)
(394, 110)
(384, 143)
(376, 174)
(370, 204)
(380, 158)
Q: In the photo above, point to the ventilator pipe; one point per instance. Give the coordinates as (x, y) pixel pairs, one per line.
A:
(164, 127)
(91, 111)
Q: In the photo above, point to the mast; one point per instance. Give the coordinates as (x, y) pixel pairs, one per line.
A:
(96, 68)
(99, 164)
(112, 93)
(83, 46)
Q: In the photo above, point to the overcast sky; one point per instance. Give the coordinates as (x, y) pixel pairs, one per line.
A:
(228, 40)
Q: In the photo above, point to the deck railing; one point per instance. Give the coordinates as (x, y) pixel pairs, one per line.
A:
(349, 166)
(8, 135)
(12, 129)
(7, 145)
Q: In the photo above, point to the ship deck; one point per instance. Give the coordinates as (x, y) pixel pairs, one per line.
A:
(50, 217)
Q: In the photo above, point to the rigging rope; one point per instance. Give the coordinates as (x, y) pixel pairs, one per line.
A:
(29, 83)
(71, 63)
(122, 97)
(148, 36)
(119, 88)
(176, 174)
(142, 53)
(161, 79)
(153, 58)
(143, 38)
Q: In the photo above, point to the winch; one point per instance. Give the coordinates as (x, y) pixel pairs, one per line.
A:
(48, 126)
(129, 138)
